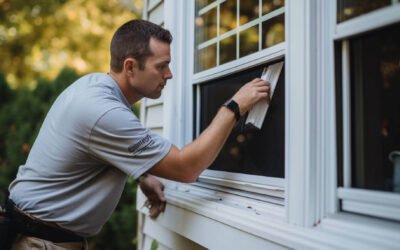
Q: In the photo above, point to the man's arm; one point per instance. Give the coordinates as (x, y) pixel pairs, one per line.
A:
(186, 165)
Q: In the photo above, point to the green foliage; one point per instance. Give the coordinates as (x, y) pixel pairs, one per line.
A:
(154, 245)
(39, 38)
(21, 115)
(120, 230)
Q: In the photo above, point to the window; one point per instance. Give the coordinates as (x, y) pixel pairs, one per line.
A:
(368, 115)
(234, 40)
(226, 30)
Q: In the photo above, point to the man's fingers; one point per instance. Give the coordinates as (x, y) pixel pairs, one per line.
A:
(156, 208)
(261, 83)
(160, 193)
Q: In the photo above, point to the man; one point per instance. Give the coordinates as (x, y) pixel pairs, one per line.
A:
(90, 142)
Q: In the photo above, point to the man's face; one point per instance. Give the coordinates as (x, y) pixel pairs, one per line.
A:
(150, 81)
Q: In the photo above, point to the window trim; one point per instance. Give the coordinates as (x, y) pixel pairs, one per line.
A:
(363, 201)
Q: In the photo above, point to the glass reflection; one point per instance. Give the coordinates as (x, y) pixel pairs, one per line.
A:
(347, 9)
(248, 41)
(227, 16)
(249, 10)
(202, 3)
(227, 49)
(206, 58)
(273, 31)
(206, 26)
(271, 5)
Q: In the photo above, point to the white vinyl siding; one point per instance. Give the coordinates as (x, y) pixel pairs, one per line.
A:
(152, 117)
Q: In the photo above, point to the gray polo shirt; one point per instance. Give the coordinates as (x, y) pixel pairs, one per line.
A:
(88, 144)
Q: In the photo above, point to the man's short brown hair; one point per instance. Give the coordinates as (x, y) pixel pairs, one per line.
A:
(132, 40)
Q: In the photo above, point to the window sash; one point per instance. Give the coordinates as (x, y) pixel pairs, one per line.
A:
(368, 202)
(268, 186)
(367, 22)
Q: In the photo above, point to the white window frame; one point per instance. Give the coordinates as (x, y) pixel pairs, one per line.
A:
(258, 184)
(367, 202)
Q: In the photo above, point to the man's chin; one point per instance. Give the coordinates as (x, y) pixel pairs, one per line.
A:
(154, 96)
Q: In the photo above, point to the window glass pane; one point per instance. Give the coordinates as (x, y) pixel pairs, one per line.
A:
(271, 5)
(375, 101)
(347, 9)
(202, 3)
(247, 150)
(206, 26)
(227, 49)
(206, 58)
(273, 31)
(248, 41)
(249, 11)
(227, 16)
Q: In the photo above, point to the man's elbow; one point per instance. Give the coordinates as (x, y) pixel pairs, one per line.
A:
(189, 179)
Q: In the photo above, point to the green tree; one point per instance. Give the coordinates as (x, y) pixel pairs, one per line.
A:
(39, 38)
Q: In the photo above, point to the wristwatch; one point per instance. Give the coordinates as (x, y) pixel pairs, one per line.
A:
(234, 107)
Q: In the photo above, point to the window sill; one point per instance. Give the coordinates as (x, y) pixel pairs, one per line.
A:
(213, 210)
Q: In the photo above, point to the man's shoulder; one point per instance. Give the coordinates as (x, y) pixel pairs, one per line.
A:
(89, 98)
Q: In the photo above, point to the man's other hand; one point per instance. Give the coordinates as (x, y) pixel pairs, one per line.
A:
(154, 191)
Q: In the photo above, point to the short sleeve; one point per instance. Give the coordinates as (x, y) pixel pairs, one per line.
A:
(119, 139)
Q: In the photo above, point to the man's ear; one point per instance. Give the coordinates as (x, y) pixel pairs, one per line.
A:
(130, 65)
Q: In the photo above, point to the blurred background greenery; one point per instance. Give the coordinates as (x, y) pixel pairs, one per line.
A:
(44, 46)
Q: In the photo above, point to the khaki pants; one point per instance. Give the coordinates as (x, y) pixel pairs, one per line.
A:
(29, 243)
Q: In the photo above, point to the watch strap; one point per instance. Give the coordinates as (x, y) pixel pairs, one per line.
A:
(234, 107)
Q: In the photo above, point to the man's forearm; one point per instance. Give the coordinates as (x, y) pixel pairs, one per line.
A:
(202, 152)
(186, 165)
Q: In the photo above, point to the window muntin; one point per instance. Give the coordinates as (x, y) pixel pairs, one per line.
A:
(247, 150)
(347, 9)
(250, 28)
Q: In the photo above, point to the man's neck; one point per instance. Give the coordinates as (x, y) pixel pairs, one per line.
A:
(126, 89)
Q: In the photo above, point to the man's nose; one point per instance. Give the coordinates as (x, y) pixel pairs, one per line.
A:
(168, 74)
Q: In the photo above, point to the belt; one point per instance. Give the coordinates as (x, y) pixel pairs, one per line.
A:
(30, 226)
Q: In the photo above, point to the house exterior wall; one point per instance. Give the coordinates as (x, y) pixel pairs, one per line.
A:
(306, 213)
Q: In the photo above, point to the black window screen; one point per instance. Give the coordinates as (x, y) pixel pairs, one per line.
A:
(247, 150)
